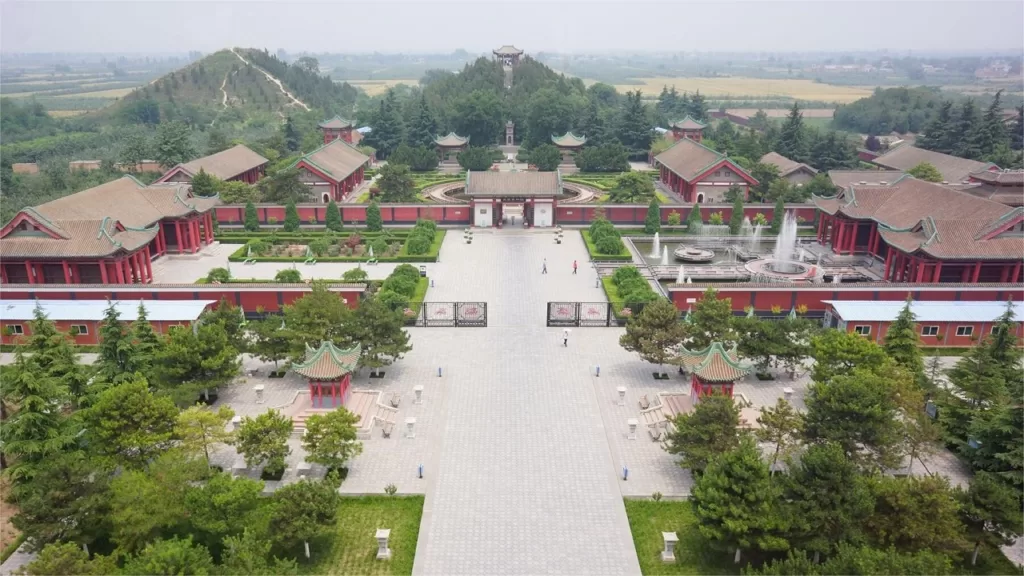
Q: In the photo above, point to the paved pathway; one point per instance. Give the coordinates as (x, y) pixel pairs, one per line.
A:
(524, 481)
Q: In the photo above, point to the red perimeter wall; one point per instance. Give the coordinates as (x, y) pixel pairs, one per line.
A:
(458, 214)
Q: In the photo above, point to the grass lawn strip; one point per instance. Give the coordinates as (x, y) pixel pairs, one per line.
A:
(353, 548)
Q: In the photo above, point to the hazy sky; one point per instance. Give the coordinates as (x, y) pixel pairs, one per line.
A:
(479, 26)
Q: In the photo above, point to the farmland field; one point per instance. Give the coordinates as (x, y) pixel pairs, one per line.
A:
(375, 87)
(113, 93)
(750, 87)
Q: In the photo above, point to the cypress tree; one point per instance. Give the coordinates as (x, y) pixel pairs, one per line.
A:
(995, 133)
(778, 215)
(736, 220)
(970, 132)
(902, 343)
(374, 222)
(939, 135)
(792, 141)
(252, 219)
(693, 221)
(291, 217)
(652, 223)
(116, 350)
(424, 127)
(333, 219)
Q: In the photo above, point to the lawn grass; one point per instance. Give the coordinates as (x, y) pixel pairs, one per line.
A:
(364, 198)
(353, 548)
(662, 198)
(648, 519)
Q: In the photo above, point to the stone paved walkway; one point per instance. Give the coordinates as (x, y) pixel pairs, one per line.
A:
(524, 481)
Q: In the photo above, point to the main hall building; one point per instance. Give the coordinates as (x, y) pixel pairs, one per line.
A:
(109, 234)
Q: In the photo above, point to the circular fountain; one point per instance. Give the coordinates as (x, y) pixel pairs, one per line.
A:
(693, 255)
(785, 264)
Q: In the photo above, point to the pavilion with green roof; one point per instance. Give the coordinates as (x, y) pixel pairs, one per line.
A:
(450, 145)
(328, 368)
(713, 370)
(337, 127)
(688, 128)
(569, 145)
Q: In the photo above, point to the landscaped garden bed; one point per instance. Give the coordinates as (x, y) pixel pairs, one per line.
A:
(627, 291)
(421, 244)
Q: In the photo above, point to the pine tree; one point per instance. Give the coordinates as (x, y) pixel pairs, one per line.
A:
(145, 341)
(388, 128)
(635, 130)
(292, 137)
(971, 132)
(205, 184)
(332, 221)
(374, 222)
(1017, 130)
(698, 109)
(652, 222)
(735, 503)
(736, 219)
(940, 134)
(903, 344)
(423, 128)
(291, 217)
(793, 137)
(37, 430)
(592, 126)
(252, 219)
(115, 363)
(654, 333)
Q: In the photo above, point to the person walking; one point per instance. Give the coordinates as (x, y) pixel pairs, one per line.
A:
(565, 337)
(544, 267)
(574, 265)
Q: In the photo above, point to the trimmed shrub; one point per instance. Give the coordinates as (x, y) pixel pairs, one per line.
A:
(355, 275)
(218, 275)
(374, 222)
(288, 276)
(407, 271)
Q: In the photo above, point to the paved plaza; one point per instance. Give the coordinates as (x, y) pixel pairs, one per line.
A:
(522, 440)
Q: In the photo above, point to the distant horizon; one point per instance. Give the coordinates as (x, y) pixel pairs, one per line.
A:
(563, 27)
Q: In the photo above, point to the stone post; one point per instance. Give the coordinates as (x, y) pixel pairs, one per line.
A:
(383, 552)
(410, 424)
(259, 393)
(236, 422)
(622, 395)
(668, 554)
(418, 390)
(632, 428)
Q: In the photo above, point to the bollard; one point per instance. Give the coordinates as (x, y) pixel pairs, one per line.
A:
(438, 371)
(431, 282)
(598, 371)
(421, 471)
(410, 425)
(597, 282)
(622, 395)
(625, 473)
(632, 423)
(418, 391)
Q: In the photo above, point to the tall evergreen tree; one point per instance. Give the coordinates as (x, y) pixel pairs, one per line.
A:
(698, 109)
(592, 125)
(387, 127)
(423, 128)
(736, 218)
(903, 344)
(252, 219)
(38, 429)
(971, 133)
(1017, 130)
(635, 130)
(940, 134)
(332, 221)
(117, 351)
(793, 137)
(652, 222)
(291, 217)
(993, 132)
(736, 504)
(145, 341)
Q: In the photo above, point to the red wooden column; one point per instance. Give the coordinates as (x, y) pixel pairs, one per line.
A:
(976, 274)
(67, 271)
(177, 235)
(149, 265)
(837, 238)
(208, 224)
(888, 262)
(118, 272)
(1015, 277)
(1004, 272)
(103, 271)
(31, 272)
(821, 226)
(3, 274)
(938, 271)
(921, 267)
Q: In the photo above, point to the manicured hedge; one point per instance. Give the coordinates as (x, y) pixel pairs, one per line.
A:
(307, 236)
(597, 256)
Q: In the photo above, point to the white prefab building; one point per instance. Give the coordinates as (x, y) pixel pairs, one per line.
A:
(496, 197)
